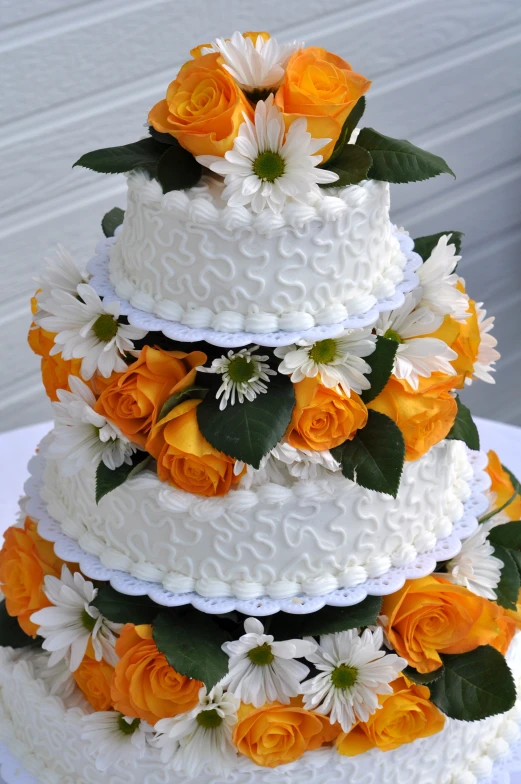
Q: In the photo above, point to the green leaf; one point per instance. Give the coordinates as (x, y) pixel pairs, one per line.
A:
(192, 646)
(190, 393)
(143, 154)
(111, 221)
(120, 608)
(347, 129)
(248, 431)
(351, 164)
(508, 537)
(11, 633)
(425, 245)
(464, 428)
(107, 480)
(328, 620)
(177, 169)
(374, 458)
(474, 685)
(422, 678)
(509, 584)
(397, 160)
(381, 361)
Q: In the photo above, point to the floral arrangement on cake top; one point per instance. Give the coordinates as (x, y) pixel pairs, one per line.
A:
(277, 121)
(201, 691)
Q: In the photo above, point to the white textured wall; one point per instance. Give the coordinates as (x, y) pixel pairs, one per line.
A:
(81, 74)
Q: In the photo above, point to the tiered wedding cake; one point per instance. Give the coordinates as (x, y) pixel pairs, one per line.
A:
(260, 544)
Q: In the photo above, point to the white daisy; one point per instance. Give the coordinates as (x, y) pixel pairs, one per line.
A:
(417, 355)
(245, 375)
(115, 739)
(339, 361)
(353, 672)
(201, 738)
(438, 282)
(261, 670)
(258, 65)
(87, 328)
(487, 354)
(476, 566)
(82, 437)
(267, 166)
(71, 623)
(305, 464)
(61, 272)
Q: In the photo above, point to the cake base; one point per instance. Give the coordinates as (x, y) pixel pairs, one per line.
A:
(45, 736)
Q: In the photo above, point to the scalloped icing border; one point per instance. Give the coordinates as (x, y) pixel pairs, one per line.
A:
(98, 267)
(390, 582)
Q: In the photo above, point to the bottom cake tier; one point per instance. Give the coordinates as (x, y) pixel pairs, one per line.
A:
(45, 736)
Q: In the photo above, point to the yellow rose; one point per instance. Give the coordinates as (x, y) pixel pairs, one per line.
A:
(404, 716)
(185, 458)
(429, 616)
(502, 487)
(135, 398)
(324, 418)
(322, 88)
(277, 734)
(424, 416)
(94, 679)
(55, 369)
(463, 337)
(203, 108)
(144, 685)
(25, 560)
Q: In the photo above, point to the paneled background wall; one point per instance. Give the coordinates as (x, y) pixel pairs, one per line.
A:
(81, 74)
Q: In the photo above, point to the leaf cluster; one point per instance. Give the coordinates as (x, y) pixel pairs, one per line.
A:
(377, 157)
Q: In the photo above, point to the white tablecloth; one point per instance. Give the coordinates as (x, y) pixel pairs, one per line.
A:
(17, 447)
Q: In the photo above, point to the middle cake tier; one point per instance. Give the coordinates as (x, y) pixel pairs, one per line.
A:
(276, 538)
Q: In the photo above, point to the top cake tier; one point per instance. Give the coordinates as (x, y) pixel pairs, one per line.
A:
(188, 257)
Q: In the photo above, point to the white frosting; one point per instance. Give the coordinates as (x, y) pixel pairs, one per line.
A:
(188, 257)
(46, 737)
(309, 537)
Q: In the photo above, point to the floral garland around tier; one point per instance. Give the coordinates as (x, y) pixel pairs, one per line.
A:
(209, 420)
(209, 690)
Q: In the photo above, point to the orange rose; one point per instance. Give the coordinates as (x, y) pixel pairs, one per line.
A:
(277, 734)
(203, 108)
(133, 402)
(144, 684)
(25, 559)
(324, 418)
(185, 458)
(405, 715)
(55, 369)
(94, 679)
(425, 416)
(324, 89)
(502, 487)
(429, 616)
